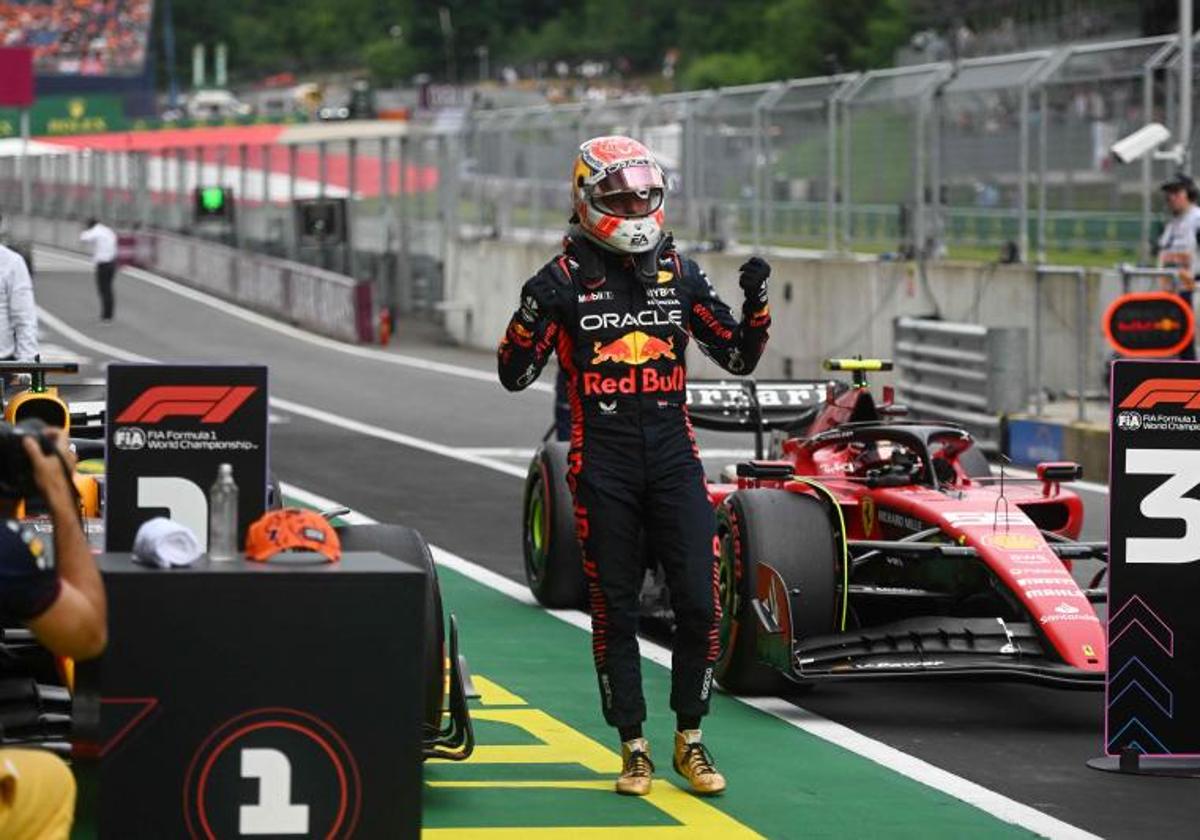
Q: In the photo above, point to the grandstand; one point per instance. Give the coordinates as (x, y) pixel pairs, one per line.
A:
(80, 37)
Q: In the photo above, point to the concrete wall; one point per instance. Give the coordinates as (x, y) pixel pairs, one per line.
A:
(820, 307)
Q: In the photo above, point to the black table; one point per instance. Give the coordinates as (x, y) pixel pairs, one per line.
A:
(245, 699)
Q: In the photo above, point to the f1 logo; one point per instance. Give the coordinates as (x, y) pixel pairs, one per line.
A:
(1153, 392)
(211, 403)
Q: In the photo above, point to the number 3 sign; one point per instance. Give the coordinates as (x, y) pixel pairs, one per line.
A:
(1153, 698)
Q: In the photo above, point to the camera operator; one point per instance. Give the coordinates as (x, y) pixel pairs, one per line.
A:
(60, 597)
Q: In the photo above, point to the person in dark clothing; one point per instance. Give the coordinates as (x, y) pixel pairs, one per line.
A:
(562, 406)
(619, 307)
(59, 596)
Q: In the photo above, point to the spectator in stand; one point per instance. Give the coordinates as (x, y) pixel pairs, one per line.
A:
(59, 596)
(104, 256)
(93, 37)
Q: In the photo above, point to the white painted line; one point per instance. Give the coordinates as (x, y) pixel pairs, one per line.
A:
(49, 319)
(999, 806)
(258, 320)
(320, 415)
(307, 497)
(996, 804)
(331, 419)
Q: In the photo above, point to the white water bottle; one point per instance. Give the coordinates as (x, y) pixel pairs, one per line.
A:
(222, 516)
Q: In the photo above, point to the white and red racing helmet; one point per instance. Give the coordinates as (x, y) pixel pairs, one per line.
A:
(617, 191)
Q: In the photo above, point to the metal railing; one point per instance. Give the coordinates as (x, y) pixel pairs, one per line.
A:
(965, 373)
(942, 159)
(1130, 273)
(323, 301)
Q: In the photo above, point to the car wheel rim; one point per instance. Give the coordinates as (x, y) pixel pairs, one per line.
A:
(726, 593)
(536, 535)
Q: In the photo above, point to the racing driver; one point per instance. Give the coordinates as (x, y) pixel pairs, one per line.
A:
(619, 306)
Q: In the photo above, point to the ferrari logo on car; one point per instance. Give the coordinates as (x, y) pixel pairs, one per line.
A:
(867, 507)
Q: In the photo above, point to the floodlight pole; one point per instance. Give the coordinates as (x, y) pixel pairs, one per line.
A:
(1185, 82)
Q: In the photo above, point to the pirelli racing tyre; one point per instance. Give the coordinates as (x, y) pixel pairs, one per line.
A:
(408, 545)
(553, 563)
(792, 533)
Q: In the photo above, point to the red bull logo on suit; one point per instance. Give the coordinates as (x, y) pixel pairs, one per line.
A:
(651, 382)
(635, 348)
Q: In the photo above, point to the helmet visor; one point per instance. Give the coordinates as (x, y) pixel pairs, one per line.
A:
(630, 204)
(631, 190)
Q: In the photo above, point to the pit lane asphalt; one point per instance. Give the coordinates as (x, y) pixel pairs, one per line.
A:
(1026, 742)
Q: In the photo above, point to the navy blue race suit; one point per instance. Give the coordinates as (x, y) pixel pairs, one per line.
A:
(621, 334)
(29, 583)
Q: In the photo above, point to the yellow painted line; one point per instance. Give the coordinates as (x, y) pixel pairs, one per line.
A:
(494, 694)
(560, 743)
(697, 819)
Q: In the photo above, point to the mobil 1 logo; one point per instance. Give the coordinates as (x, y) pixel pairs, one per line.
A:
(1154, 559)
(169, 427)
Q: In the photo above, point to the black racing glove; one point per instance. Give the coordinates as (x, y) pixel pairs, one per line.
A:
(539, 298)
(753, 281)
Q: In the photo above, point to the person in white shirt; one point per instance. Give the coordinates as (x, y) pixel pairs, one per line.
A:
(104, 255)
(1178, 245)
(18, 314)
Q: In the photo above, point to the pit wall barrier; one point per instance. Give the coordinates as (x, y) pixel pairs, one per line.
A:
(322, 301)
(824, 307)
(967, 373)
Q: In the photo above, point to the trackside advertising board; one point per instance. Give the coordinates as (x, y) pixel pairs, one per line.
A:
(16, 77)
(169, 428)
(1153, 696)
(1149, 325)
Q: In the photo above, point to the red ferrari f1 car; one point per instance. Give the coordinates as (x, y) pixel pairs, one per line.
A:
(868, 545)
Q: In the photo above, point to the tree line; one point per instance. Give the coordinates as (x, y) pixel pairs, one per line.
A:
(702, 42)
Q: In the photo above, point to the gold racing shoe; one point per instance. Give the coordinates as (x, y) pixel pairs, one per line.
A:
(695, 763)
(637, 770)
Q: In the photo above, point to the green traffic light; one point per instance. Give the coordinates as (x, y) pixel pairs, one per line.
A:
(212, 199)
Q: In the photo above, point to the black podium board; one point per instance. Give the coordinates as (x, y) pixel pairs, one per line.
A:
(247, 700)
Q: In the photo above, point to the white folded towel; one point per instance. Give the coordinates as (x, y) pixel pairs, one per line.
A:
(165, 543)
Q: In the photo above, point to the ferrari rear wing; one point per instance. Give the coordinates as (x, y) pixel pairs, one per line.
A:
(755, 406)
